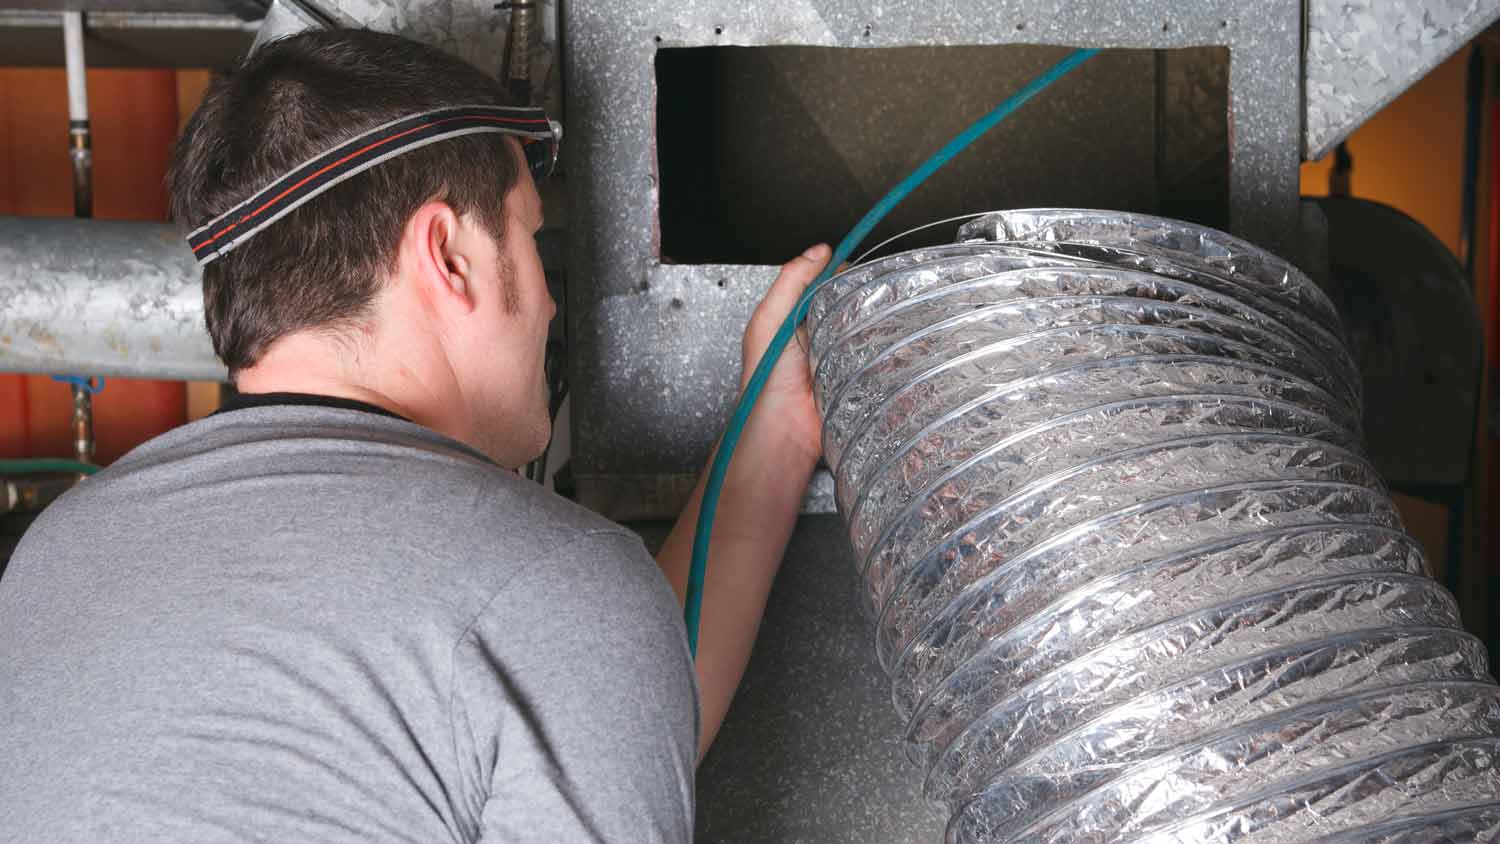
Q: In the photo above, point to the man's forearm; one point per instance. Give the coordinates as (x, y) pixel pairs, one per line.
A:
(757, 511)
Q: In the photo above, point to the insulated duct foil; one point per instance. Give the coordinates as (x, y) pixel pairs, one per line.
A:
(1134, 578)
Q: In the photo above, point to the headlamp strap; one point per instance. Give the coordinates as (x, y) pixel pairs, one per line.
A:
(354, 156)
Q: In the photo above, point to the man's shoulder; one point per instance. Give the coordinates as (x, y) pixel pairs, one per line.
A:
(367, 485)
(523, 510)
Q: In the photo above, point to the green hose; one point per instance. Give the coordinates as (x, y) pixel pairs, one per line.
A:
(693, 605)
(38, 465)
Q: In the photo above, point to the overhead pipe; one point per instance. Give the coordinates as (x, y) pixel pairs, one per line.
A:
(80, 143)
(515, 69)
(80, 150)
(1134, 579)
(107, 297)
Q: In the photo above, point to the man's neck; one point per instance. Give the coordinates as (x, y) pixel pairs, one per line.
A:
(245, 401)
(258, 381)
(314, 365)
(390, 372)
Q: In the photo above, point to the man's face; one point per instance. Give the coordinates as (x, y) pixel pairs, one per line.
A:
(506, 382)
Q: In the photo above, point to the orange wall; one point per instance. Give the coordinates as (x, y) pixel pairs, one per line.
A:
(135, 117)
(1410, 155)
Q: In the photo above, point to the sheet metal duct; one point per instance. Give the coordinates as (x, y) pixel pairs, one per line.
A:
(473, 30)
(653, 336)
(1361, 54)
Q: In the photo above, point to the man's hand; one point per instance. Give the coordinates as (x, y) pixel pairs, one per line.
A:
(758, 504)
(786, 405)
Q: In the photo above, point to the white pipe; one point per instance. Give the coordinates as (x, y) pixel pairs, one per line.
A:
(78, 92)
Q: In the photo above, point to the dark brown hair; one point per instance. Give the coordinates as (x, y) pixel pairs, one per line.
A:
(320, 266)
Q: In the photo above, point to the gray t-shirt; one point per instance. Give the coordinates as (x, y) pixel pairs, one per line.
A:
(293, 624)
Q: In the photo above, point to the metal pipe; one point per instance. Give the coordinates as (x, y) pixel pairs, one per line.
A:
(83, 424)
(516, 72)
(1133, 579)
(106, 297)
(80, 144)
(80, 150)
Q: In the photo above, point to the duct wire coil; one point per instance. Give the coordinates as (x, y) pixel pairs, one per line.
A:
(1134, 580)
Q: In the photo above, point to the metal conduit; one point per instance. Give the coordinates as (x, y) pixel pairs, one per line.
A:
(105, 297)
(1133, 578)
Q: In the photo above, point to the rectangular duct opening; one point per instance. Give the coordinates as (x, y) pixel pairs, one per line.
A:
(763, 150)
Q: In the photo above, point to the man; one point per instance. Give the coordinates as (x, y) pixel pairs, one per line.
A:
(332, 611)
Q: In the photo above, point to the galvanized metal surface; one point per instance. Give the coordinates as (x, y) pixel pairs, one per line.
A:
(655, 346)
(286, 17)
(247, 9)
(1362, 53)
(470, 29)
(127, 39)
(473, 30)
(101, 297)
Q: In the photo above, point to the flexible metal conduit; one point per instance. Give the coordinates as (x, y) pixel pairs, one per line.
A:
(1133, 578)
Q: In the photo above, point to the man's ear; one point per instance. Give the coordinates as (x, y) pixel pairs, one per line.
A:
(434, 247)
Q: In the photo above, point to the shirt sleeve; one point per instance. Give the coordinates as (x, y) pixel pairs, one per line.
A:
(575, 704)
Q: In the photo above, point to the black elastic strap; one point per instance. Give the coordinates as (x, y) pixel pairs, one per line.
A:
(354, 156)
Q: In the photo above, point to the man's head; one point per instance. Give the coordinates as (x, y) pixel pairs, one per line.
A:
(415, 283)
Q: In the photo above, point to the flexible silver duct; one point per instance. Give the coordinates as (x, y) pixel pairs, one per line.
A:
(1133, 579)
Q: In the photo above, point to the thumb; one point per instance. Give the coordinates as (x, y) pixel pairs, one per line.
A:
(793, 280)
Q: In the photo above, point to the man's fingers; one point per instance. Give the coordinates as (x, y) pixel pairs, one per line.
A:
(793, 279)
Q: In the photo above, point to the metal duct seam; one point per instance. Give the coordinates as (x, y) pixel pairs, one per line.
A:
(1133, 578)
